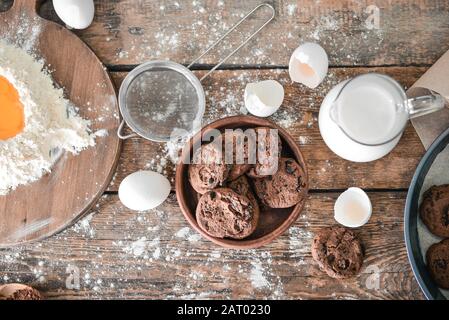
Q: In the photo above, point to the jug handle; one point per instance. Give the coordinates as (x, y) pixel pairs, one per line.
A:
(423, 105)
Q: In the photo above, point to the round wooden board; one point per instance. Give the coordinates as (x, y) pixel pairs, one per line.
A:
(59, 199)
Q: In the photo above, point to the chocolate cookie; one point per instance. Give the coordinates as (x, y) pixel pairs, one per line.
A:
(285, 188)
(208, 169)
(438, 263)
(269, 147)
(434, 210)
(25, 295)
(223, 213)
(236, 148)
(338, 252)
(241, 186)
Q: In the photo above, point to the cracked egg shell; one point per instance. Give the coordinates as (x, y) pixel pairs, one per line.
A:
(263, 98)
(309, 65)
(353, 208)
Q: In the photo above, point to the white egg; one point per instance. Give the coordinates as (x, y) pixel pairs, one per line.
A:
(77, 14)
(309, 65)
(264, 98)
(144, 190)
(353, 208)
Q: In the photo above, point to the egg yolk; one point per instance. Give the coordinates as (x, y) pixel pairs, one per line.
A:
(12, 118)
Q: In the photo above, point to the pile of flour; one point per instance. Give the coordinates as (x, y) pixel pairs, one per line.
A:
(51, 122)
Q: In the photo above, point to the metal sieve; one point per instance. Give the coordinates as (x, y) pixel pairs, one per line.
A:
(163, 100)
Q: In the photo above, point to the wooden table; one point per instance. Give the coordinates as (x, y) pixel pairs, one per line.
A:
(123, 254)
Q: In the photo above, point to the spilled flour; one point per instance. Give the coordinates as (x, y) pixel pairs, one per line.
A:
(152, 254)
(258, 280)
(51, 124)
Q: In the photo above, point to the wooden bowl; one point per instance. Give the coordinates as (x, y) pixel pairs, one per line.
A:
(272, 222)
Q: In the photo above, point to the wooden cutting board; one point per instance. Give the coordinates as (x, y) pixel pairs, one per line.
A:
(59, 199)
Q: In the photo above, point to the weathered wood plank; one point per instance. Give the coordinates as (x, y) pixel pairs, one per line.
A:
(131, 32)
(298, 115)
(124, 254)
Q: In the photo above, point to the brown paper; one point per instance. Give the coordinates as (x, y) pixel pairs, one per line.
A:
(429, 127)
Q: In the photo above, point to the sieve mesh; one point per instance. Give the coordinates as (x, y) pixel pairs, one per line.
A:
(162, 100)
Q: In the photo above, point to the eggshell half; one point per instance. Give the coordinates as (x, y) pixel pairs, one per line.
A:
(309, 65)
(353, 208)
(77, 14)
(263, 98)
(144, 190)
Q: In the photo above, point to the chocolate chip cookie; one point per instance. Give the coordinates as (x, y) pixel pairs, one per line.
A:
(223, 213)
(269, 147)
(284, 189)
(434, 210)
(208, 169)
(437, 257)
(338, 252)
(242, 186)
(236, 151)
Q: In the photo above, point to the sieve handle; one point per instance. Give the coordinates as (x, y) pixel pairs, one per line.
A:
(120, 129)
(273, 14)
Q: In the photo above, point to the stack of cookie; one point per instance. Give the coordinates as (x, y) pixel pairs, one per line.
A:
(434, 212)
(232, 194)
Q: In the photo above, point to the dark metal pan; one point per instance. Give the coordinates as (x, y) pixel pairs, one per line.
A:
(428, 286)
